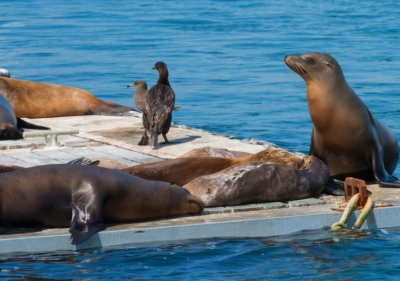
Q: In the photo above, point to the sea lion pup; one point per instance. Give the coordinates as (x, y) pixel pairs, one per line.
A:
(157, 116)
(87, 197)
(37, 100)
(346, 136)
(215, 152)
(4, 73)
(9, 124)
(183, 170)
(257, 182)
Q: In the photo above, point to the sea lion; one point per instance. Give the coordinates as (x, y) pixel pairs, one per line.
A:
(36, 100)
(157, 116)
(215, 152)
(257, 182)
(86, 197)
(183, 170)
(4, 73)
(346, 136)
(9, 123)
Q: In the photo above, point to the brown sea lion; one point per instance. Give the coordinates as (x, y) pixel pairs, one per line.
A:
(183, 170)
(86, 197)
(215, 152)
(346, 136)
(157, 116)
(257, 182)
(36, 100)
(9, 124)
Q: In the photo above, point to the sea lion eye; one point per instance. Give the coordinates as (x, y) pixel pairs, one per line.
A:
(309, 59)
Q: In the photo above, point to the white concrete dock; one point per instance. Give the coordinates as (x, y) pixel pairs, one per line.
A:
(115, 137)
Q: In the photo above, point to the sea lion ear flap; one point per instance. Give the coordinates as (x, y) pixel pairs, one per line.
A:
(86, 221)
(329, 64)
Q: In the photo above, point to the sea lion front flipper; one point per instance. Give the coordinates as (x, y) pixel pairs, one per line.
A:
(383, 178)
(87, 217)
(84, 161)
(24, 124)
(334, 187)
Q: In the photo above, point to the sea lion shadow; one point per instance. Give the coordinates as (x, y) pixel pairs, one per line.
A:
(182, 140)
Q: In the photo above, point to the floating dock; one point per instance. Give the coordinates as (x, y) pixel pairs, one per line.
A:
(115, 137)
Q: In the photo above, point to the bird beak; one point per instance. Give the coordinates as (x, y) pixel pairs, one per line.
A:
(130, 85)
(154, 68)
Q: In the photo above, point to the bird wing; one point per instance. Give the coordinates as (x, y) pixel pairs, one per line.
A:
(159, 106)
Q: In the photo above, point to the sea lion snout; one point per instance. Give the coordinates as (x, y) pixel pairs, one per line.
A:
(195, 205)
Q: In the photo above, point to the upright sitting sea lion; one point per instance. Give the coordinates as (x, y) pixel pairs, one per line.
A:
(85, 197)
(9, 123)
(36, 100)
(346, 136)
(183, 170)
(256, 182)
(160, 102)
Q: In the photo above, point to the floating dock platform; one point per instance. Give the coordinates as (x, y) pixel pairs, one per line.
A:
(115, 137)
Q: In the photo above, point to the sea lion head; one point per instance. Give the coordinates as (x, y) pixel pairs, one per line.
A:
(315, 68)
(139, 84)
(190, 204)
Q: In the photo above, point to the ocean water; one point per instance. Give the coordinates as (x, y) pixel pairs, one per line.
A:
(225, 60)
(310, 255)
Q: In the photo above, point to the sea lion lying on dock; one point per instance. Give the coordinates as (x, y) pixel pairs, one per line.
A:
(257, 182)
(210, 151)
(9, 123)
(86, 197)
(183, 170)
(36, 100)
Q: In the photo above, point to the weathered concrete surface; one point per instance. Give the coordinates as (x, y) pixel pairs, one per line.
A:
(126, 131)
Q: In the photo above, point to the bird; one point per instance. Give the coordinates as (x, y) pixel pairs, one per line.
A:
(140, 95)
(160, 102)
(140, 99)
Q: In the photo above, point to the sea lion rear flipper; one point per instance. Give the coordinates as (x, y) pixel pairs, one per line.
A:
(334, 187)
(24, 124)
(383, 178)
(87, 218)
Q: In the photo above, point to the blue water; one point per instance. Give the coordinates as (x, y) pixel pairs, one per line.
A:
(311, 255)
(226, 66)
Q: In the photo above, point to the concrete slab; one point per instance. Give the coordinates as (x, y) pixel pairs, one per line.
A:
(31, 158)
(306, 202)
(126, 154)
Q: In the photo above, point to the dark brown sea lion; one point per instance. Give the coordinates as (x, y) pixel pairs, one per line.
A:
(257, 182)
(9, 124)
(36, 100)
(346, 136)
(86, 197)
(215, 152)
(183, 170)
(157, 116)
